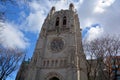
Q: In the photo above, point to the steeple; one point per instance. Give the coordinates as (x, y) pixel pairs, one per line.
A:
(71, 7)
(52, 11)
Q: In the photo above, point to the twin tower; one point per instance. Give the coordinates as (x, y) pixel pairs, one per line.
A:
(59, 52)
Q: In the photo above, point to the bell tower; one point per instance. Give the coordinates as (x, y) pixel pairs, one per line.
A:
(59, 52)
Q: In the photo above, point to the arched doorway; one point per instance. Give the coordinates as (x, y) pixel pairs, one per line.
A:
(54, 78)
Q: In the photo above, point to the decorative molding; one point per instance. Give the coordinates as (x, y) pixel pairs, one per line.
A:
(54, 63)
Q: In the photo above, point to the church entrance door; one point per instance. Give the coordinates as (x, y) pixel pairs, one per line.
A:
(54, 78)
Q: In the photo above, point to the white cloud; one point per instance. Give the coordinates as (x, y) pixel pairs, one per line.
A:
(94, 32)
(103, 12)
(108, 19)
(39, 11)
(35, 6)
(101, 5)
(88, 22)
(35, 19)
(11, 37)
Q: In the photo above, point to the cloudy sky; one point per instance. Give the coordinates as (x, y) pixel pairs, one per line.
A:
(23, 24)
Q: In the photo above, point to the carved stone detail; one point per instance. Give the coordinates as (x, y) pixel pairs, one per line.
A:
(54, 63)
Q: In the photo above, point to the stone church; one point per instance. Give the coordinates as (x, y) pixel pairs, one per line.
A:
(59, 52)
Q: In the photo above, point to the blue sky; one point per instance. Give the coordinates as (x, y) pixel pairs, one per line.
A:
(23, 24)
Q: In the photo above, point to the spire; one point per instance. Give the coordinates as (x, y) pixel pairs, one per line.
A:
(71, 7)
(52, 10)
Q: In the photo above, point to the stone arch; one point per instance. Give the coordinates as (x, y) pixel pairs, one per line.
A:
(53, 76)
(56, 62)
(44, 63)
(48, 62)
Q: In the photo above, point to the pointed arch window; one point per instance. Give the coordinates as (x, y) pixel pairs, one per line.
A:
(44, 63)
(64, 20)
(56, 62)
(57, 21)
(48, 63)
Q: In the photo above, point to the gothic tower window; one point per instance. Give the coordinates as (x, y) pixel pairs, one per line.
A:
(64, 62)
(61, 62)
(44, 63)
(56, 62)
(52, 64)
(57, 21)
(64, 20)
(48, 63)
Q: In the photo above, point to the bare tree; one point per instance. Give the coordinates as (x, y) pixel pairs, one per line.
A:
(9, 61)
(92, 62)
(104, 51)
(9, 58)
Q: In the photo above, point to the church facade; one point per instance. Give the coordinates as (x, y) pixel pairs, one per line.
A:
(59, 52)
